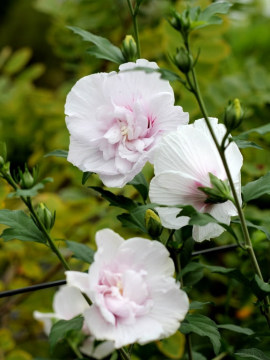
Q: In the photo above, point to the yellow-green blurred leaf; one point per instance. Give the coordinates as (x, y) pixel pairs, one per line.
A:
(6, 341)
(18, 355)
(173, 347)
(17, 61)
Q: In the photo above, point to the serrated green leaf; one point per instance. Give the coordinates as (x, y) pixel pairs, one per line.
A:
(57, 153)
(237, 329)
(21, 227)
(61, 328)
(116, 200)
(140, 184)
(257, 188)
(103, 48)
(252, 354)
(81, 251)
(202, 326)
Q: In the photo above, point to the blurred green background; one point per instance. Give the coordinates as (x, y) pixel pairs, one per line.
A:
(40, 60)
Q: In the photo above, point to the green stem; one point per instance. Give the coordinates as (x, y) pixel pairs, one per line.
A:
(75, 349)
(248, 244)
(28, 202)
(135, 27)
(189, 346)
(123, 354)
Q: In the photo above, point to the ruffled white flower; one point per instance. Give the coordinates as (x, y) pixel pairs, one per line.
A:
(135, 297)
(116, 119)
(68, 302)
(182, 163)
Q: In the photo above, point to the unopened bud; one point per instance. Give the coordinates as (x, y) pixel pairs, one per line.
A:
(2, 162)
(180, 22)
(45, 216)
(129, 48)
(233, 115)
(153, 223)
(27, 180)
(183, 60)
(218, 193)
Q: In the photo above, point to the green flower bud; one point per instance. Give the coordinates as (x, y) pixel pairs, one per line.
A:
(27, 180)
(183, 60)
(2, 162)
(152, 223)
(45, 216)
(129, 48)
(180, 22)
(219, 192)
(233, 115)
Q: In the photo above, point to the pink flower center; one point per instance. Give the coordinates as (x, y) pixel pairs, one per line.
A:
(124, 295)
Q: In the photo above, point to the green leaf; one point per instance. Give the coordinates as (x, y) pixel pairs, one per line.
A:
(21, 227)
(237, 329)
(164, 73)
(116, 200)
(58, 153)
(81, 251)
(252, 354)
(103, 48)
(61, 328)
(254, 226)
(140, 184)
(86, 176)
(262, 130)
(260, 288)
(197, 305)
(243, 144)
(202, 326)
(208, 16)
(136, 218)
(17, 61)
(231, 273)
(257, 188)
(213, 9)
(33, 191)
(192, 274)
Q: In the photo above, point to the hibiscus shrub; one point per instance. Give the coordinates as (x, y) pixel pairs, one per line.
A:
(162, 293)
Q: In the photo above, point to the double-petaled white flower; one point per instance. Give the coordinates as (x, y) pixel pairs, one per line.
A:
(135, 297)
(182, 164)
(115, 121)
(68, 302)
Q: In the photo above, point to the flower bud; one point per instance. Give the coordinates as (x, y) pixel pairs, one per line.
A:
(45, 216)
(233, 115)
(27, 180)
(129, 48)
(152, 223)
(180, 22)
(2, 162)
(219, 192)
(183, 60)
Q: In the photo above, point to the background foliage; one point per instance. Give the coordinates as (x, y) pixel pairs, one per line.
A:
(40, 60)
